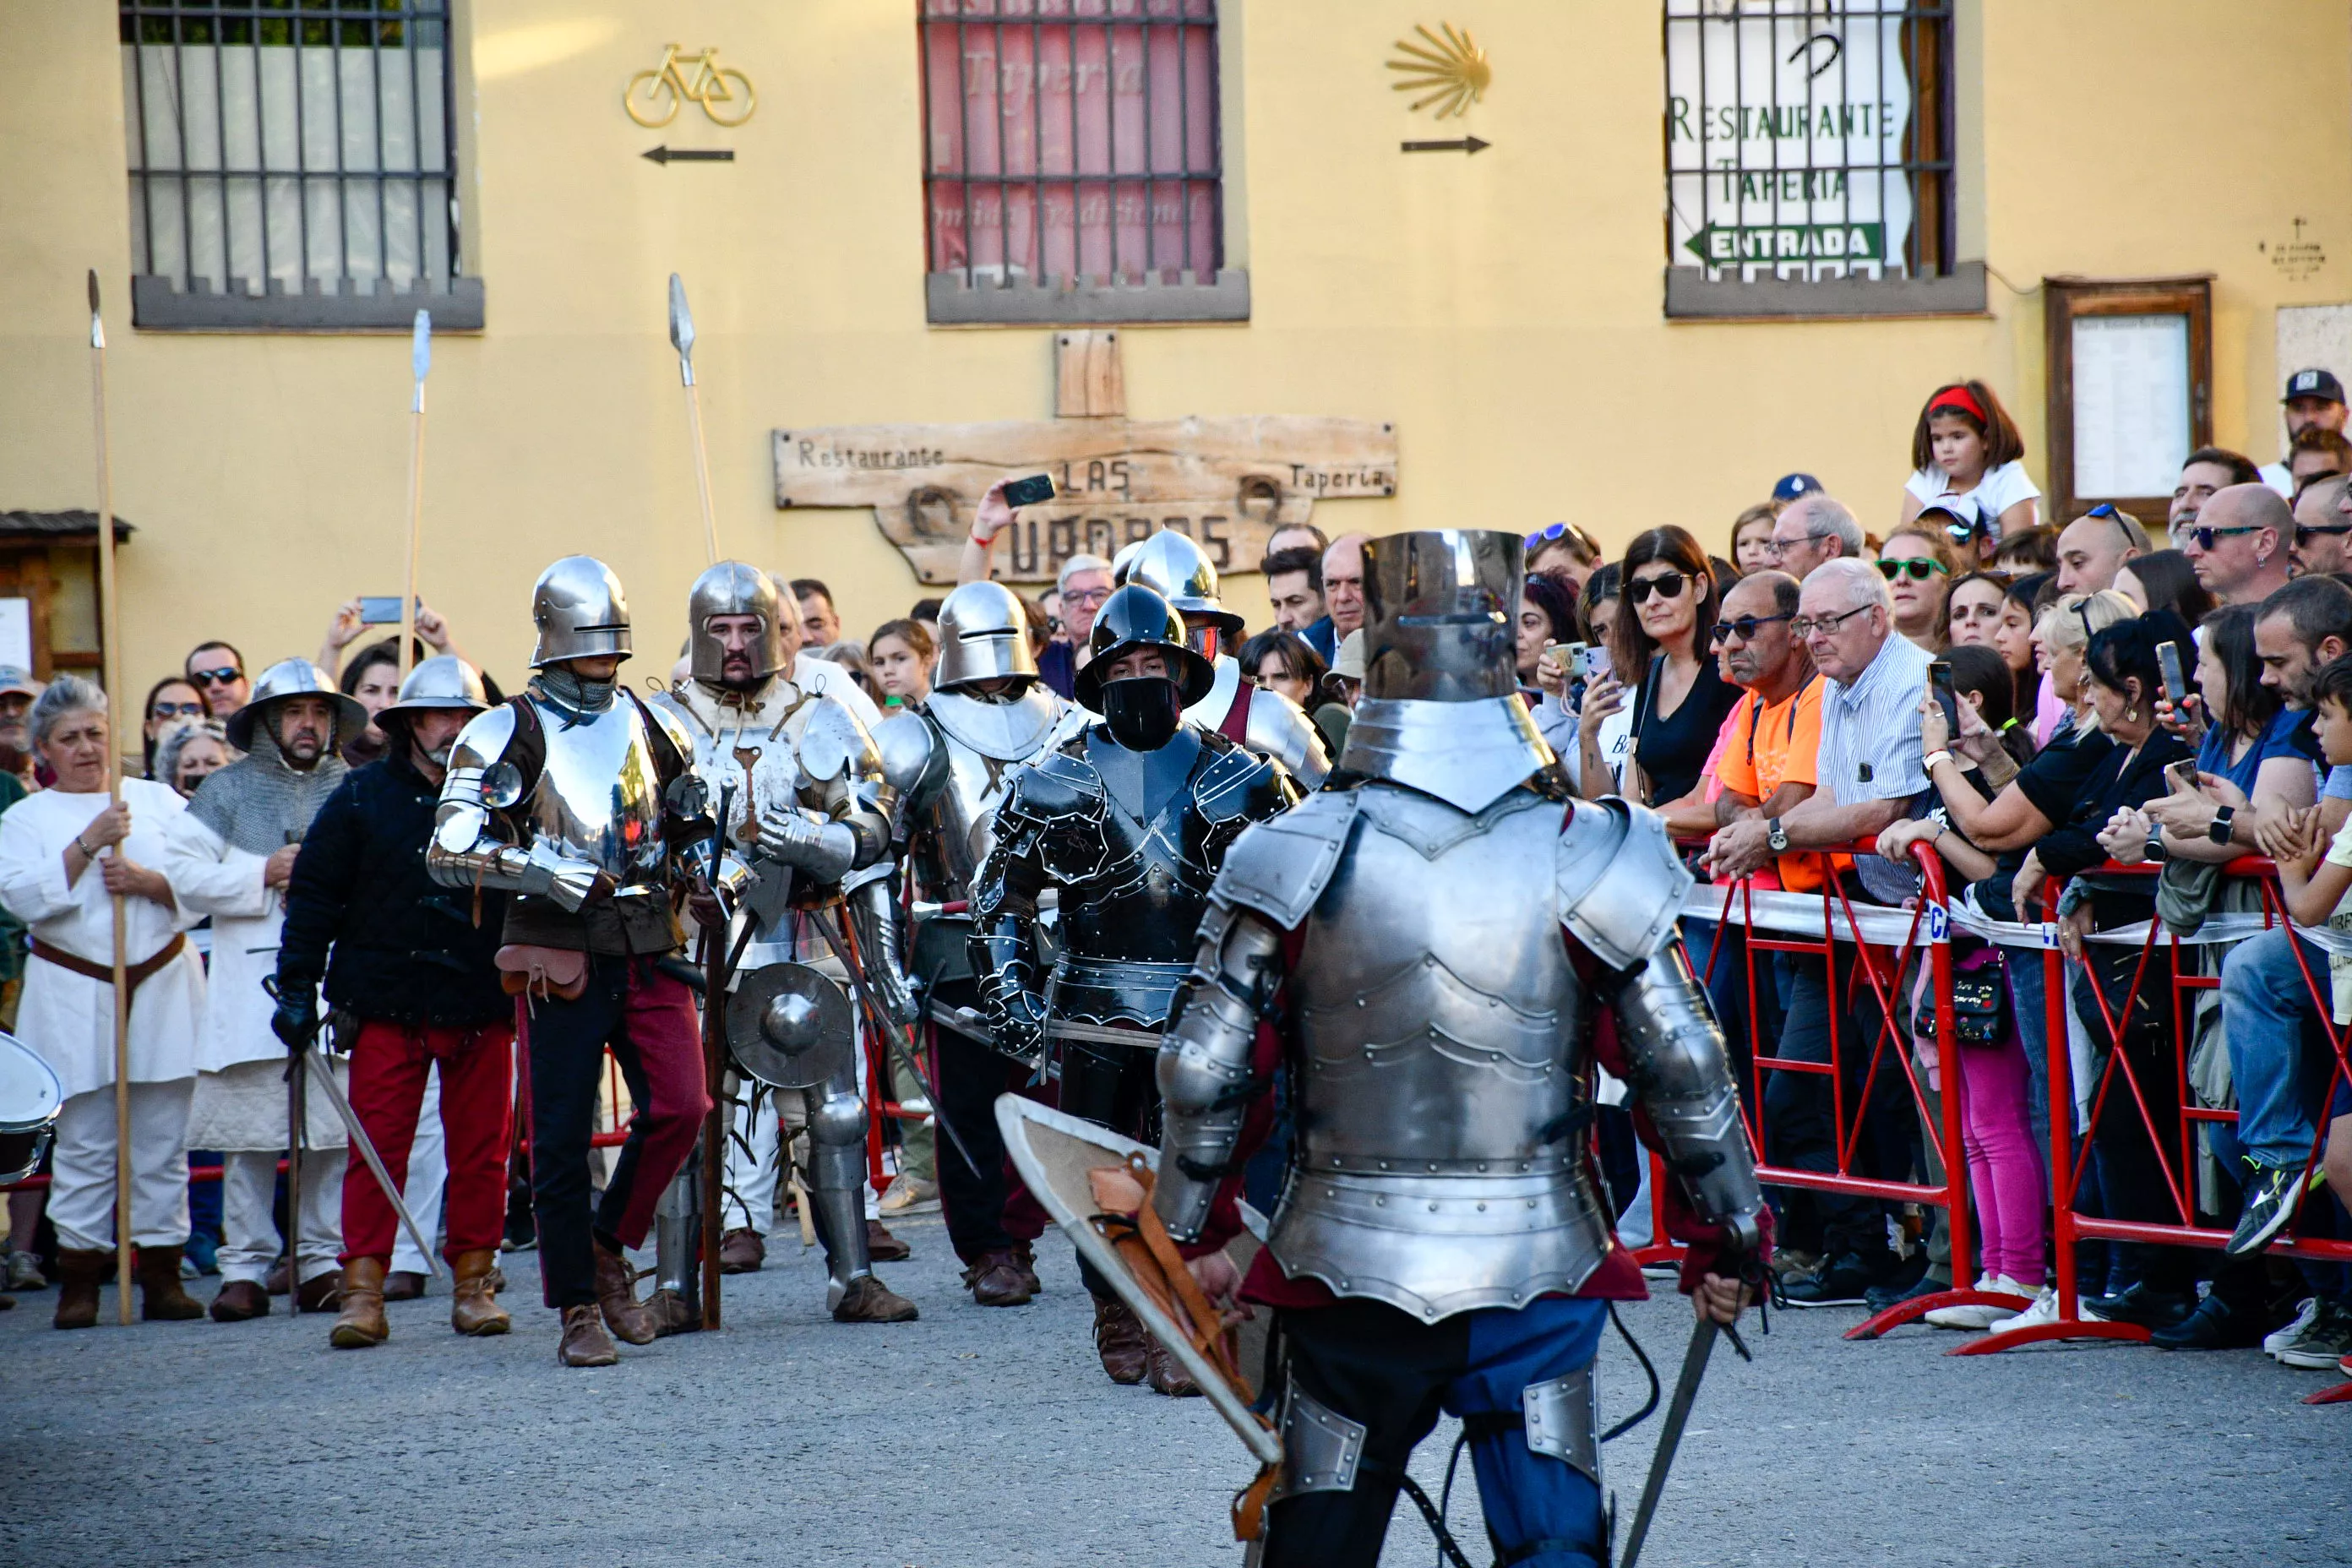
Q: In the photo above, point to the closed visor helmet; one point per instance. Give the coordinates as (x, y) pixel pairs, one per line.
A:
(1439, 608)
(443, 681)
(1171, 566)
(580, 611)
(1136, 617)
(983, 636)
(293, 677)
(732, 588)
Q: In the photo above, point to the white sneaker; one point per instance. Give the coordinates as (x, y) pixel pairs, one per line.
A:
(910, 1194)
(1973, 1315)
(2043, 1310)
(2279, 1339)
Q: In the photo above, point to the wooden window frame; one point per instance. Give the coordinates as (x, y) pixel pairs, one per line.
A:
(2065, 299)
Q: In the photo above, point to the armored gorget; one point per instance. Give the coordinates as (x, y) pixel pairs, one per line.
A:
(1440, 1065)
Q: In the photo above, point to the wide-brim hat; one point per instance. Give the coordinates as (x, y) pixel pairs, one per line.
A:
(444, 680)
(291, 677)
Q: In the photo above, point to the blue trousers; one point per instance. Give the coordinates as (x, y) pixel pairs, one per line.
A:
(1375, 1364)
(2281, 1083)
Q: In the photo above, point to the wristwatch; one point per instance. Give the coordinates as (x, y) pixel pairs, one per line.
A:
(2220, 832)
(2156, 850)
(1776, 835)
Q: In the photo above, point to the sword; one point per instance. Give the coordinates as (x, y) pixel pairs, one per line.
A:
(1670, 1436)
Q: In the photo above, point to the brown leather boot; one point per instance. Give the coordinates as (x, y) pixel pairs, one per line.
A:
(238, 1300)
(1167, 1373)
(868, 1300)
(672, 1315)
(884, 1247)
(1120, 1341)
(995, 1280)
(584, 1340)
(741, 1251)
(473, 1306)
(321, 1292)
(1024, 1258)
(362, 1324)
(162, 1299)
(80, 1274)
(616, 1293)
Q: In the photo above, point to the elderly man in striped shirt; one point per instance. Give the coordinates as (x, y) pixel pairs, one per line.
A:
(1868, 772)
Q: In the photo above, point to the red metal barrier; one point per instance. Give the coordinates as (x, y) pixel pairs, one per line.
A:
(1883, 969)
(2168, 1112)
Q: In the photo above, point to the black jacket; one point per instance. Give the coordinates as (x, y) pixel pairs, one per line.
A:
(405, 948)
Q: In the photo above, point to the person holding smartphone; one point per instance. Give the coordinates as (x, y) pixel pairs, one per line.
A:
(1547, 621)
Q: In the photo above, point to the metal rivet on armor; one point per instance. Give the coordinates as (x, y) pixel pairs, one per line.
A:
(1429, 1311)
(1433, 1166)
(1380, 1202)
(1384, 1164)
(1482, 1208)
(1531, 1203)
(1481, 1165)
(1432, 1207)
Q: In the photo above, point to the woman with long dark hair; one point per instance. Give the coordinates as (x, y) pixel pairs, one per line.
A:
(2164, 580)
(1669, 605)
(1548, 617)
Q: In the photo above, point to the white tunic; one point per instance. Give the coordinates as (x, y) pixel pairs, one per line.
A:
(240, 1100)
(68, 1018)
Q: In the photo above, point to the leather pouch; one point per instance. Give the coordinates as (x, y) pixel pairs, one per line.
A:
(560, 973)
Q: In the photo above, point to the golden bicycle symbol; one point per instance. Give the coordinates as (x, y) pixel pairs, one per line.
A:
(654, 96)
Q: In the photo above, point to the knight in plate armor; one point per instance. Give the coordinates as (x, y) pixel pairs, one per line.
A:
(1235, 706)
(951, 759)
(1424, 949)
(1128, 821)
(806, 826)
(570, 798)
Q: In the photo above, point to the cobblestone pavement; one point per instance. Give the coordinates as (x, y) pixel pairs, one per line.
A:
(980, 1437)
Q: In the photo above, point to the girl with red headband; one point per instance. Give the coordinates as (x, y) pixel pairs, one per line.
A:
(1967, 449)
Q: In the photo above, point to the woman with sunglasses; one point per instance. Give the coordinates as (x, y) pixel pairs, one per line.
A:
(170, 702)
(1918, 564)
(1669, 603)
(1966, 445)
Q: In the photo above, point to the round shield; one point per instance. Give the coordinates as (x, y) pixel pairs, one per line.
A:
(790, 1026)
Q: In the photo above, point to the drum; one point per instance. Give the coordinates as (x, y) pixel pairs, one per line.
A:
(30, 1097)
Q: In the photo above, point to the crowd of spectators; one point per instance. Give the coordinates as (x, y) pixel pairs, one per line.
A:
(2085, 719)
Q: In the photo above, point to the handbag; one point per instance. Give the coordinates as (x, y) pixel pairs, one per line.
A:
(1979, 1009)
(560, 973)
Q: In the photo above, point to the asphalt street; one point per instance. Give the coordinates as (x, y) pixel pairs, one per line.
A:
(982, 1437)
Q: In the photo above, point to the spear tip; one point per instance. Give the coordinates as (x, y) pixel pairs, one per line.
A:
(93, 290)
(681, 320)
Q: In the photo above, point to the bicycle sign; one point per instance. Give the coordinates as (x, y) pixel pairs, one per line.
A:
(654, 96)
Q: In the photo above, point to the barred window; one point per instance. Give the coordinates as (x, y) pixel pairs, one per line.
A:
(1071, 161)
(291, 164)
(1808, 141)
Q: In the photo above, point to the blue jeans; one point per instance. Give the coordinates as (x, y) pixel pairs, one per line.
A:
(2265, 1002)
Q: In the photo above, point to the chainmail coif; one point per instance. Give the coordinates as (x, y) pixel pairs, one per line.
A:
(260, 803)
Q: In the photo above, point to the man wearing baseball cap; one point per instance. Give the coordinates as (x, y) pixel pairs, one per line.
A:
(2314, 397)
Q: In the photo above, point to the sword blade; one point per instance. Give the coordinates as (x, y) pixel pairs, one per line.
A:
(1670, 1436)
(366, 1146)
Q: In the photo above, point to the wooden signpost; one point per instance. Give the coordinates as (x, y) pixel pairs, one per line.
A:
(1227, 481)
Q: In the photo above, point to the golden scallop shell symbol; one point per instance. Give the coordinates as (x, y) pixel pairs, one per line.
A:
(1452, 71)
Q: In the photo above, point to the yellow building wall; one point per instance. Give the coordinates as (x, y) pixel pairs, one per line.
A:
(1503, 309)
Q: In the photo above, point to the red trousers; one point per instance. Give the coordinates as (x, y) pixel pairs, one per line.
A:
(389, 1063)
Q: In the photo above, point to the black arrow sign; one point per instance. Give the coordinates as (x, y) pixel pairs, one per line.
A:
(1465, 144)
(703, 154)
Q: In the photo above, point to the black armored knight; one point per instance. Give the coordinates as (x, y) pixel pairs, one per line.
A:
(1129, 822)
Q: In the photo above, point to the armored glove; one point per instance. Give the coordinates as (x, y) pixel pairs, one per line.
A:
(826, 850)
(295, 1021)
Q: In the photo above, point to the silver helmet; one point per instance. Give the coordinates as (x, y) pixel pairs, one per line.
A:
(1440, 608)
(732, 588)
(580, 611)
(983, 636)
(293, 677)
(443, 681)
(1173, 566)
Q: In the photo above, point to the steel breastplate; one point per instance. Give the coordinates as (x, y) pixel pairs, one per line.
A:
(961, 815)
(1134, 888)
(599, 794)
(1439, 1057)
(750, 753)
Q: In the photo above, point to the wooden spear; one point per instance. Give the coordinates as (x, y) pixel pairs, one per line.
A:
(109, 622)
(420, 361)
(681, 338)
